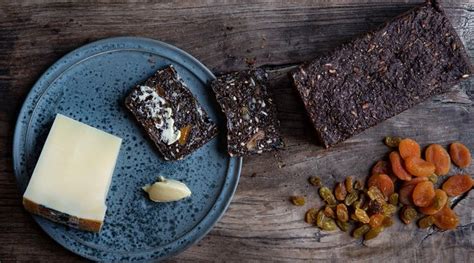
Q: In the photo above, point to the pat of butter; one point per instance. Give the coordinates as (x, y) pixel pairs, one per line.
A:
(73, 174)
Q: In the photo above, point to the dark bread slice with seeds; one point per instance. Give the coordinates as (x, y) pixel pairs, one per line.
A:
(252, 124)
(171, 116)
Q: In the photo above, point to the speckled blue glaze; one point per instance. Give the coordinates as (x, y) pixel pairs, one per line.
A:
(89, 85)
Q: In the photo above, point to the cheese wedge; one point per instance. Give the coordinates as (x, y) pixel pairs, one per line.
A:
(71, 179)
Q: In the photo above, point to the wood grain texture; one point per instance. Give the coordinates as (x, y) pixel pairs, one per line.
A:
(260, 224)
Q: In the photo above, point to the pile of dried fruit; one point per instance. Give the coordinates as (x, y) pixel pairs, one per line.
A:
(368, 210)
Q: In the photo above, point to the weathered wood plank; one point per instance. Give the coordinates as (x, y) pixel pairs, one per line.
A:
(260, 224)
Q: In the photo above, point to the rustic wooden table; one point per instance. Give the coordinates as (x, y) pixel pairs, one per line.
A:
(260, 224)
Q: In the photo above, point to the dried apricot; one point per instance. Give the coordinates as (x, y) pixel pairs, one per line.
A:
(438, 156)
(376, 220)
(297, 200)
(419, 167)
(415, 181)
(342, 213)
(397, 167)
(446, 219)
(405, 194)
(407, 214)
(383, 183)
(340, 191)
(380, 167)
(457, 184)
(408, 147)
(439, 201)
(348, 184)
(423, 194)
(460, 154)
(406, 191)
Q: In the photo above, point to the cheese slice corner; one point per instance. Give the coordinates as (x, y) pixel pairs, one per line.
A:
(71, 179)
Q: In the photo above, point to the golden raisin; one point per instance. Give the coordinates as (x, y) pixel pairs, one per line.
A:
(397, 167)
(351, 198)
(344, 226)
(408, 147)
(446, 219)
(315, 181)
(419, 167)
(376, 220)
(407, 214)
(342, 213)
(433, 178)
(329, 225)
(388, 209)
(361, 216)
(348, 184)
(458, 184)
(360, 231)
(460, 154)
(329, 212)
(392, 141)
(438, 156)
(320, 218)
(393, 199)
(327, 195)
(358, 185)
(439, 201)
(383, 183)
(387, 222)
(373, 232)
(423, 194)
(374, 193)
(297, 200)
(426, 222)
(310, 216)
(340, 191)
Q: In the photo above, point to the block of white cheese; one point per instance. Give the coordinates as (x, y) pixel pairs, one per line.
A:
(71, 179)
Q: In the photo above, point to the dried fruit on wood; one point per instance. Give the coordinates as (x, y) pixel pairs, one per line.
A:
(297, 200)
(408, 147)
(373, 232)
(360, 231)
(314, 180)
(407, 214)
(327, 195)
(340, 191)
(310, 216)
(426, 222)
(446, 219)
(380, 167)
(376, 220)
(438, 156)
(397, 167)
(419, 167)
(423, 194)
(458, 184)
(348, 184)
(439, 201)
(383, 183)
(460, 154)
(361, 216)
(392, 141)
(329, 212)
(342, 213)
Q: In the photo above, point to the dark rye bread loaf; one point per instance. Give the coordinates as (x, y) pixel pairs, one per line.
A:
(360, 84)
(252, 124)
(171, 116)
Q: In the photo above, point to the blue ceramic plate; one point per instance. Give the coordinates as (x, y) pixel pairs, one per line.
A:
(89, 85)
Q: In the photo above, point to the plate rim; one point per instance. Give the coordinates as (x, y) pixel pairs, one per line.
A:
(234, 166)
